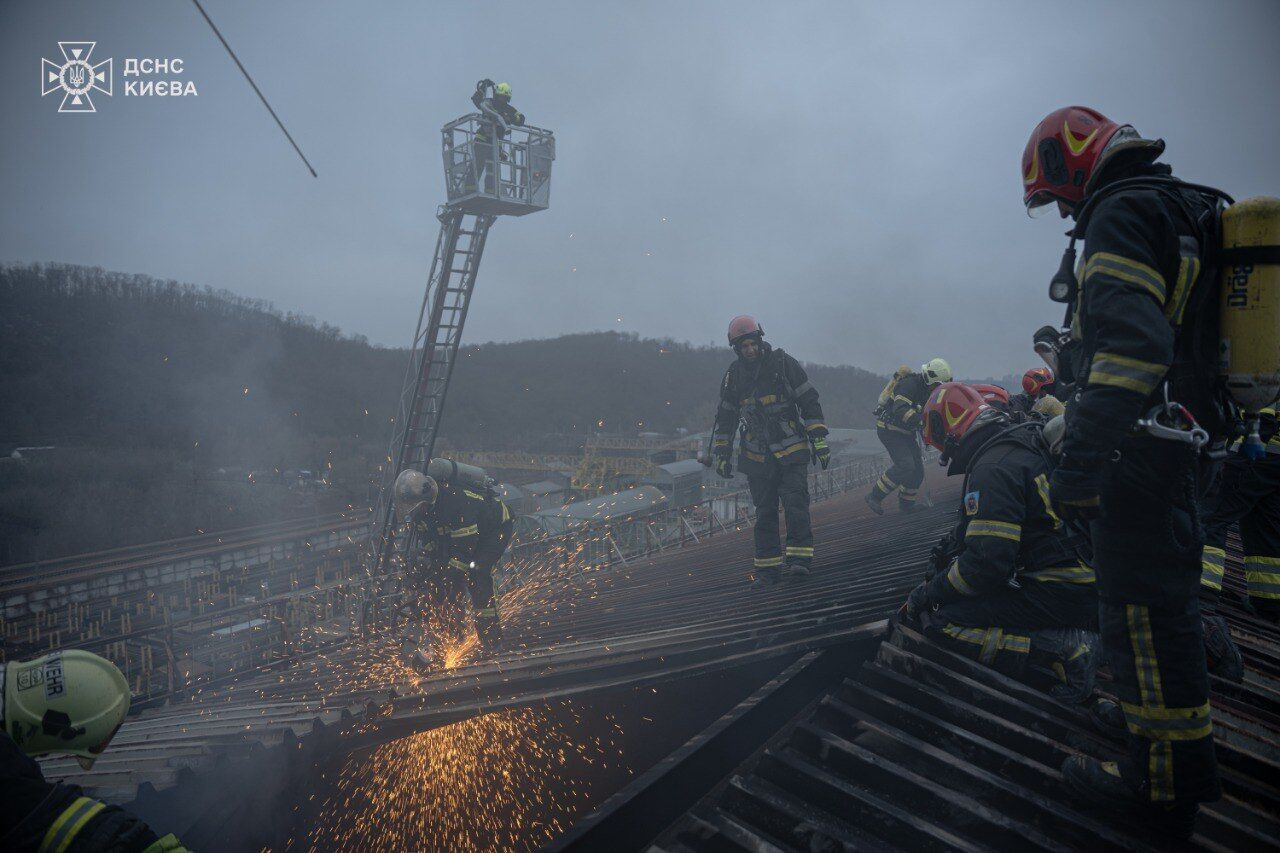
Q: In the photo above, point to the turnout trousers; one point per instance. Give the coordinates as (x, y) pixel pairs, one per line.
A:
(996, 629)
(1147, 545)
(788, 485)
(484, 599)
(907, 471)
(1248, 495)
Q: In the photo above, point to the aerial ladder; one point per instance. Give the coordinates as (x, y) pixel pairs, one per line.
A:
(483, 181)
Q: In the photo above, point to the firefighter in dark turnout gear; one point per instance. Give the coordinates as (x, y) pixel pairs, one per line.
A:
(1037, 383)
(1249, 495)
(766, 398)
(1061, 354)
(466, 528)
(897, 417)
(1013, 592)
(500, 115)
(1144, 311)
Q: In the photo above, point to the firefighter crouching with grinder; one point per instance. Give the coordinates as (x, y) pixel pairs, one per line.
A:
(460, 526)
(69, 702)
(767, 399)
(1009, 588)
(1145, 314)
(897, 417)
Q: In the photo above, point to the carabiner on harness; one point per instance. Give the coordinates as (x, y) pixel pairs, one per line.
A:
(1173, 422)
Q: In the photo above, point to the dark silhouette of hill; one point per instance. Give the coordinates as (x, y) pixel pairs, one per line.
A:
(169, 395)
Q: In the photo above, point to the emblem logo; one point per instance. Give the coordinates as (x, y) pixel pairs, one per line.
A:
(971, 503)
(75, 77)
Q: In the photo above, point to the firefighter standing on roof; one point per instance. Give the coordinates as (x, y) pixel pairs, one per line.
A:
(897, 417)
(768, 400)
(1142, 313)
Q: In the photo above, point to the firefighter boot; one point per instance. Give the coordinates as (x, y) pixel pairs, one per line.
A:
(766, 577)
(1107, 718)
(1220, 651)
(795, 571)
(874, 502)
(490, 633)
(1098, 783)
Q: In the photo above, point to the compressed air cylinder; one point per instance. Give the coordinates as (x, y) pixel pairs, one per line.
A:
(448, 471)
(1249, 358)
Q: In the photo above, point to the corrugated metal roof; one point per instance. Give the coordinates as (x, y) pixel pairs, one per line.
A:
(543, 487)
(683, 468)
(921, 748)
(608, 507)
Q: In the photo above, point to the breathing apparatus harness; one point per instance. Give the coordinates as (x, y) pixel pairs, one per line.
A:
(1168, 420)
(1077, 537)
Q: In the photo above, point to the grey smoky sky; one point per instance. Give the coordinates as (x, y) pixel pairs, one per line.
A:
(847, 172)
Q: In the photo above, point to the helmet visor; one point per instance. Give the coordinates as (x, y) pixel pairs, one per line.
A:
(1040, 204)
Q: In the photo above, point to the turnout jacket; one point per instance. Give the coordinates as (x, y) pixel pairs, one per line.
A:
(1007, 529)
(773, 406)
(500, 116)
(461, 520)
(1145, 313)
(901, 402)
(36, 814)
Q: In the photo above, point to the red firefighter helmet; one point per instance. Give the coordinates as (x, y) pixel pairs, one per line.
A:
(1035, 380)
(742, 326)
(950, 411)
(993, 394)
(1061, 156)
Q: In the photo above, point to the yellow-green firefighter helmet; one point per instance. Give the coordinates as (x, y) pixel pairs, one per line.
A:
(502, 89)
(70, 701)
(936, 371)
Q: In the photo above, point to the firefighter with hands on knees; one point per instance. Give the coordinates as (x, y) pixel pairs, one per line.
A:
(1143, 314)
(1008, 587)
(897, 416)
(768, 402)
(70, 702)
(463, 527)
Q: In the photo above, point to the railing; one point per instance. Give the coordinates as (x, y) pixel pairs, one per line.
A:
(512, 177)
(233, 624)
(599, 544)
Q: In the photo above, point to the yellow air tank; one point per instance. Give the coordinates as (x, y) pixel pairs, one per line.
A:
(1250, 307)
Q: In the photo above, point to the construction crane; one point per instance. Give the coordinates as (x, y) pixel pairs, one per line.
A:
(483, 181)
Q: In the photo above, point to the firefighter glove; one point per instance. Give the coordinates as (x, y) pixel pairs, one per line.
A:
(1074, 491)
(917, 603)
(724, 467)
(821, 452)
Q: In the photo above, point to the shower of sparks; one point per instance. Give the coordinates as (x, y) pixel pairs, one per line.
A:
(505, 781)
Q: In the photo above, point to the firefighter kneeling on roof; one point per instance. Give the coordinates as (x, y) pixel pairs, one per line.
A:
(1009, 588)
(768, 394)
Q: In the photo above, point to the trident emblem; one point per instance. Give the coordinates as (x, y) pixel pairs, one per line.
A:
(75, 77)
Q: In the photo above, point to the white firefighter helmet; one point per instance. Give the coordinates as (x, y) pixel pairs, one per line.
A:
(1054, 431)
(413, 490)
(70, 701)
(936, 371)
